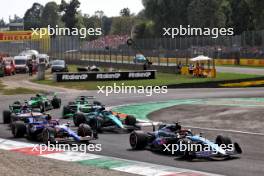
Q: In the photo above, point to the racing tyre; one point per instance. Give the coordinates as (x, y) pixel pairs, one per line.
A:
(42, 107)
(78, 119)
(18, 129)
(237, 148)
(30, 136)
(65, 111)
(14, 118)
(56, 103)
(84, 130)
(97, 103)
(138, 140)
(6, 117)
(187, 154)
(96, 124)
(48, 135)
(130, 120)
(222, 140)
(71, 103)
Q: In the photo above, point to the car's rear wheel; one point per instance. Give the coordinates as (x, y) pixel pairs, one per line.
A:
(6, 117)
(138, 140)
(18, 129)
(186, 154)
(130, 120)
(65, 111)
(97, 103)
(84, 130)
(223, 140)
(56, 103)
(78, 118)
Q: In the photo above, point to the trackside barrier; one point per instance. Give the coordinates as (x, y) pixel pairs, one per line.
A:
(105, 76)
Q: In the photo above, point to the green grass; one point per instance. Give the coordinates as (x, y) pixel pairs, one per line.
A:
(15, 91)
(162, 79)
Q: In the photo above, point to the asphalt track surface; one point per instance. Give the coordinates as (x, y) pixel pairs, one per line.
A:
(117, 145)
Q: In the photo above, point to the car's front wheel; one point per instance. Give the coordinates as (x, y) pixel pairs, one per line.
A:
(6, 117)
(48, 135)
(138, 140)
(18, 129)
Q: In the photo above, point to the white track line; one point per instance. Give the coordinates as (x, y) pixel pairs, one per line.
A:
(226, 130)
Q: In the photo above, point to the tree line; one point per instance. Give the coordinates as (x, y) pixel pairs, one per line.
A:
(242, 15)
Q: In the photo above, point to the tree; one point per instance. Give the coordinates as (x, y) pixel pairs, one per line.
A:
(257, 13)
(166, 13)
(206, 14)
(123, 25)
(2, 23)
(32, 17)
(242, 17)
(91, 22)
(125, 12)
(50, 15)
(70, 12)
(143, 29)
(106, 25)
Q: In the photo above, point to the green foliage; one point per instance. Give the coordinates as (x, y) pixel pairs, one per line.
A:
(123, 25)
(206, 14)
(125, 12)
(166, 13)
(50, 15)
(2, 23)
(69, 10)
(143, 29)
(242, 15)
(32, 18)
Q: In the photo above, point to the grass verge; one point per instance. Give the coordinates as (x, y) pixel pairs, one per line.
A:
(15, 91)
(162, 79)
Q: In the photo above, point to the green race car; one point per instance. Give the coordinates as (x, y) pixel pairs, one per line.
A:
(83, 104)
(42, 102)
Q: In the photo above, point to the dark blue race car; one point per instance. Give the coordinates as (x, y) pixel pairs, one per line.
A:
(170, 137)
(43, 128)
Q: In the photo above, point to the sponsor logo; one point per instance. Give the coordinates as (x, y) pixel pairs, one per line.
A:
(15, 36)
(139, 75)
(108, 76)
(75, 77)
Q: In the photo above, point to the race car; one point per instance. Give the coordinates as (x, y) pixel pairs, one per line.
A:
(18, 110)
(139, 58)
(81, 104)
(42, 102)
(43, 128)
(102, 120)
(169, 137)
(9, 66)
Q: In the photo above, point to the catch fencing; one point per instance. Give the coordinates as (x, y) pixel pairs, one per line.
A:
(160, 51)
